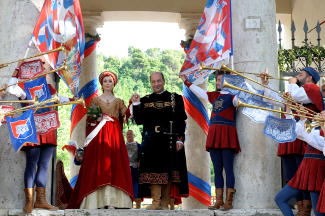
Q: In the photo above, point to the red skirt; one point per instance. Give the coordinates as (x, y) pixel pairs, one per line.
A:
(222, 136)
(295, 147)
(105, 162)
(47, 139)
(321, 200)
(309, 176)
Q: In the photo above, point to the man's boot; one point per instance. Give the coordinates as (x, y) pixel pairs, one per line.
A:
(41, 201)
(229, 198)
(137, 203)
(219, 199)
(171, 204)
(155, 195)
(29, 200)
(306, 208)
(165, 195)
(300, 207)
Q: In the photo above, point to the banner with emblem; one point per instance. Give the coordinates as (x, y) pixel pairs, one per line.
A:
(38, 87)
(280, 130)
(30, 69)
(46, 122)
(22, 130)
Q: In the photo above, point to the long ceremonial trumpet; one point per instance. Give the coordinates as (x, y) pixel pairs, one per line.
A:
(202, 67)
(225, 68)
(61, 48)
(227, 85)
(80, 101)
(240, 103)
(309, 126)
(54, 99)
(35, 100)
(62, 68)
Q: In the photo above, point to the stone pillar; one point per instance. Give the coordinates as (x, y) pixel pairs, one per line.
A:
(17, 22)
(257, 168)
(198, 159)
(92, 21)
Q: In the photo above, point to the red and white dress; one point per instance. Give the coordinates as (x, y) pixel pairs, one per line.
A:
(105, 176)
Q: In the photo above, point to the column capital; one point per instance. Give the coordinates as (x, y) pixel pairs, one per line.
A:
(189, 22)
(92, 20)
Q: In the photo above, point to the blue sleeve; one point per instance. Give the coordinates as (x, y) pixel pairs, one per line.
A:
(77, 162)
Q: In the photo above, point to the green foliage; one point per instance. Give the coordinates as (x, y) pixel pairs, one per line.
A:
(133, 74)
(64, 130)
(287, 56)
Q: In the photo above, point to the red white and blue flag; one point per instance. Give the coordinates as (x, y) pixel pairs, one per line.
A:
(60, 21)
(22, 130)
(212, 42)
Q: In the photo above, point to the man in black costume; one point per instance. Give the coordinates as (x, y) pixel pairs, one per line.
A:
(163, 163)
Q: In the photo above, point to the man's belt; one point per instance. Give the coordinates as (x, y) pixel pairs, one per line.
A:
(159, 129)
(314, 156)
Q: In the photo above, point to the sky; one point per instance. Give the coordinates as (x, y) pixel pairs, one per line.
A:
(116, 37)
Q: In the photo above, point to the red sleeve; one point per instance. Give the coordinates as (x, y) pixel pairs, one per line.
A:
(212, 96)
(313, 92)
(188, 83)
(321, 132)
(53, 90)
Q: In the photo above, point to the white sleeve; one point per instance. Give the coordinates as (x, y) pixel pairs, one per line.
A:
(235, 101)
(313, 138)
(1, 99)
(271, 94)
(299, 94)
(199, 92)
(63, 99)
(16, 90)
(131, 107)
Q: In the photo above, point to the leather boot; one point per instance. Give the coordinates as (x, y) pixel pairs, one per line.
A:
(229, 198)
(306, 208)
(41, 201)
(165, 195)
(219, 199)
(155, 195)
(299, 207)
(171, 204)
(29, 200)
(137, 203)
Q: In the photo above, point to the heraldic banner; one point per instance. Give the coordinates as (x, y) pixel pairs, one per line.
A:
(22, 130)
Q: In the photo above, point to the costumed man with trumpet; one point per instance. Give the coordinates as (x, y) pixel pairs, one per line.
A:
(222, 141)
(303, 89)
(37, 155)
(314, 138)
(310, 174)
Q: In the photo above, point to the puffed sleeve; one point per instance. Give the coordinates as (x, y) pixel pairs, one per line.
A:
(122, 108)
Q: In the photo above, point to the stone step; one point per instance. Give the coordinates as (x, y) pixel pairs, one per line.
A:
(143, 212)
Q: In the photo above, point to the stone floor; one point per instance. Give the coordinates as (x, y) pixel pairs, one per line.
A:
(143, 212)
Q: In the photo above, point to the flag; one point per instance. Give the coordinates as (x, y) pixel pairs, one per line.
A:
(60, 21)
(212, 42)
(22, 130)
(38, 88)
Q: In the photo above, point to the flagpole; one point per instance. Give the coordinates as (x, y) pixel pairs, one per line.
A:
(232, 62)
(29, 45)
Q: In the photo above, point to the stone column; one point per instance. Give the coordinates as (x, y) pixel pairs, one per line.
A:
(92, 21)
(198, 159)
(257, 168)
(17, 22)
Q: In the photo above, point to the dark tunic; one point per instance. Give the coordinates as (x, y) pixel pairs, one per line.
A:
(160, 162)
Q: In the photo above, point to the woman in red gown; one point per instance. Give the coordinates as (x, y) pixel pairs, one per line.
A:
(104, 179)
